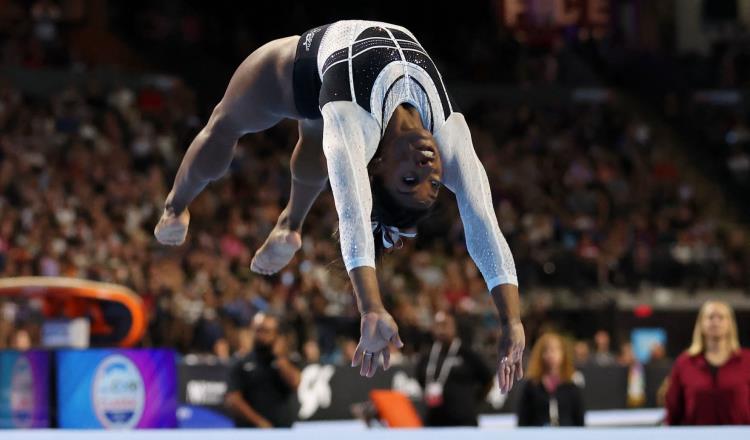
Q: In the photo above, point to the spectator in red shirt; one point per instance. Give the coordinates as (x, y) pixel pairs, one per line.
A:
(710, 382)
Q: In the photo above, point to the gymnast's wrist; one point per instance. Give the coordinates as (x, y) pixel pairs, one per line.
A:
(371, 309)
(370, 305)
(370, 302)
(509, 322)
(507, 303)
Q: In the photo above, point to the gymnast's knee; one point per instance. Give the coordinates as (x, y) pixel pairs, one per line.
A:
(312, 181)
(222, 124)
(308, 172)
(217, 141)
(308, 169)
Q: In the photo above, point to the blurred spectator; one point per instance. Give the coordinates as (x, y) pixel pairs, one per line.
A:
(626, 357)
(311, 352)
(581, 353)
(661, 393)
(21, 340)
(244, 343)
(45, 15)
(602, 355)
(397, 356)
(710, 382)
(262, 386)
(222, 351)
(208, 332)
(636, 391)
(658, 356)
(347, 347)
(549, 396)
(454, 378)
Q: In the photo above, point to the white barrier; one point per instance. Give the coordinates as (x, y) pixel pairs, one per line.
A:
(596, 419)
(702, 433)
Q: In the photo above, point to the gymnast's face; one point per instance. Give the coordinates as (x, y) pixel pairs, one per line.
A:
(411, 169)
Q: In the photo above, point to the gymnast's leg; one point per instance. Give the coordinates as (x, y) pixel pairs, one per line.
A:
(309, 177)
(258, 96)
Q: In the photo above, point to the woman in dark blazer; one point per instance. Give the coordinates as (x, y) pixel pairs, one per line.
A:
(549, 397)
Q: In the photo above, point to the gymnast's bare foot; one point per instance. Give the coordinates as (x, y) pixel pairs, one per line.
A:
(277, 251)
(172, 229)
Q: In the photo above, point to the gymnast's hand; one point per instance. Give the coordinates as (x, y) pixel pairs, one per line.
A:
(510, 354)
(172, 228)
(377, 330)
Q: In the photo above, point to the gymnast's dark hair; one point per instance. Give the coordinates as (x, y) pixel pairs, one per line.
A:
(386, 211)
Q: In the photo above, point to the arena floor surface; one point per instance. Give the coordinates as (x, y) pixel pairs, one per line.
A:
(701, 433)
(633, 424)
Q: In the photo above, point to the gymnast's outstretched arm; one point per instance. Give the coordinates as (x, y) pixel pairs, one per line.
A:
(465, 175)
(349, 134)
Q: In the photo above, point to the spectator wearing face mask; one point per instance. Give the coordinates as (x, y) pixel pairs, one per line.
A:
(262, 386)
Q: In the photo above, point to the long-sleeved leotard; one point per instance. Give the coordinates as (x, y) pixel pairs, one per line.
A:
(367, 69)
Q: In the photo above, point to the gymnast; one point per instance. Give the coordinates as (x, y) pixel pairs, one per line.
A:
(376, 121)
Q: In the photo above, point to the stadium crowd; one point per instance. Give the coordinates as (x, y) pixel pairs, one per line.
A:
(82, 175)
(588, 195)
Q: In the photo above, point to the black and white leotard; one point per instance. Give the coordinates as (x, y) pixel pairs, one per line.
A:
(354, 74)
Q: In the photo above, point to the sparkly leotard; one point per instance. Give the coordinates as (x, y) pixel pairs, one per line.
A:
(364, 71)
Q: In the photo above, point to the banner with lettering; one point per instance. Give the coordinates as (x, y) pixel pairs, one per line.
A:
(328, 392)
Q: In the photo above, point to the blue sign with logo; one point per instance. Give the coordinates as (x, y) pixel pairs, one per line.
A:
(24, 389)
(117, 389)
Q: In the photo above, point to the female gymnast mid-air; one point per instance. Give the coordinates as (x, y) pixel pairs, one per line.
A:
(376, 121)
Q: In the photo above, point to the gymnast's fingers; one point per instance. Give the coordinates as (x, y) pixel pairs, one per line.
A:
(366, 363)
(511, 376)
(507, 381)
(374, 364)
(519, 369)
(519, 364)
(386, 358)
(358, 353)
(501, 375)
(396, 339)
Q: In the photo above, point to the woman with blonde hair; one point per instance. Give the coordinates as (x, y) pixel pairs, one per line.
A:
(549, 397)
(710, 381)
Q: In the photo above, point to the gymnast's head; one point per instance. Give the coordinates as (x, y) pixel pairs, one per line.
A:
(405, 177)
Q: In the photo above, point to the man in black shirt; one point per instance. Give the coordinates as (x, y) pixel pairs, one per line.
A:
(454, 378)
(262, 385)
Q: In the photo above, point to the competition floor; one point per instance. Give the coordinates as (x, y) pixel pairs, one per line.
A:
(635, 424)
(723, 433)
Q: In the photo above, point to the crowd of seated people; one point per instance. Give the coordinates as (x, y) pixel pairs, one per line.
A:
(586, 195)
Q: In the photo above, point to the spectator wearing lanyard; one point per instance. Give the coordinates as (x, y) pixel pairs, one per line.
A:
(710, 382)
(454, 378)
(549, 397)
